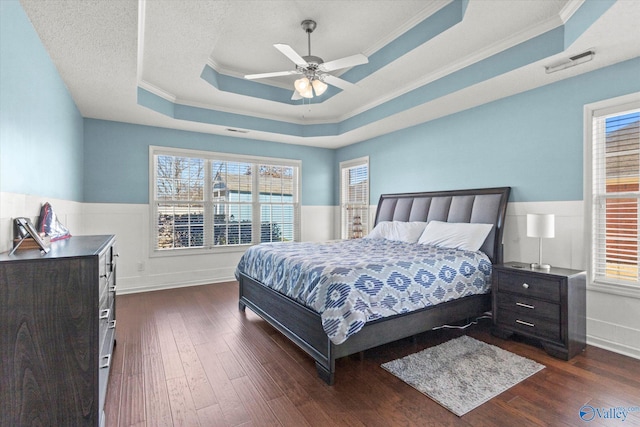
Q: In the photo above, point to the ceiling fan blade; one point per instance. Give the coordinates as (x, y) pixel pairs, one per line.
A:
(266, 75)
(296, 96)
(348, 61)
(337, 82)
(291, 54)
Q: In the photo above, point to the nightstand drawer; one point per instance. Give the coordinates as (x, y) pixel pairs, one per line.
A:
(529, 286)
(530, 325)
(529, 307)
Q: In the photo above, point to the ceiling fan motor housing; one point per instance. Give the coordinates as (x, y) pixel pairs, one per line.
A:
(313, 60)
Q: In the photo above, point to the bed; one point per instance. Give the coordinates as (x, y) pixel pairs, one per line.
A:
(307, 319)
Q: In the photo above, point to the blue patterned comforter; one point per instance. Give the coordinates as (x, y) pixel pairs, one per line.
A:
(351, 282)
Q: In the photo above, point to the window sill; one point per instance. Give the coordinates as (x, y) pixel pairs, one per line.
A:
(156, 253)
(629, 291)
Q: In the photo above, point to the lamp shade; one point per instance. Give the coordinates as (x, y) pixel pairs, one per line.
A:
(307, 93)
(302, 85)
(319, 87)
(541, 225)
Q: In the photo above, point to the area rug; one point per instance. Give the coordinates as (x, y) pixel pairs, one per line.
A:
(463, 373)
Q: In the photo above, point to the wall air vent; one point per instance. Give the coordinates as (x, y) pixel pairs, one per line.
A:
(572, 62)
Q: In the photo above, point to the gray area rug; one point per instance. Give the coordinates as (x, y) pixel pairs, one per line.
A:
(463, 373)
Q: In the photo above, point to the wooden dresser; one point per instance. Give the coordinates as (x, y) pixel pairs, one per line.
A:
(57, 332)
(548, 305)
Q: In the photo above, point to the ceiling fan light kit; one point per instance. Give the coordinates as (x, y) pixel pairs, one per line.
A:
(314, 71)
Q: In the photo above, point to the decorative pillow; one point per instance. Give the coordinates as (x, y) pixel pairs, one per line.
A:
(456, 235)
(402, 231)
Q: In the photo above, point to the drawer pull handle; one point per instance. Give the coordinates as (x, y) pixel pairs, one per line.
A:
(113, 260)
(104, 314)
(112, 324)
(107, 363)
(520, 304)
(112, 288)
(525, 285)
(522, 322)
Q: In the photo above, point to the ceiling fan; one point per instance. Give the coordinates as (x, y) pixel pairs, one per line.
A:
(314, 70)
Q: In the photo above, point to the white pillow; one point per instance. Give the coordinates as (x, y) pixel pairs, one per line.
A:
(456, 235)
(402, 231)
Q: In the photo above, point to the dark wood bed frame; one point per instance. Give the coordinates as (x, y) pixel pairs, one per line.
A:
(303, 326)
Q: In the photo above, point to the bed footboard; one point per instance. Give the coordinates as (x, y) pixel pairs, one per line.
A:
(295, 321)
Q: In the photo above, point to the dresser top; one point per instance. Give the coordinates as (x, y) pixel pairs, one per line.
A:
(75, 246)
(526, 268)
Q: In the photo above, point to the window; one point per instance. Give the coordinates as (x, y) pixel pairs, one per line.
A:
(205, 200)
(614, 149)
(354, 198)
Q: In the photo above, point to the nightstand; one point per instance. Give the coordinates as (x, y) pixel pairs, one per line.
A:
(548, 305)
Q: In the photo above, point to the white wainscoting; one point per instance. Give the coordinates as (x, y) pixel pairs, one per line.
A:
(613, 321)
(565, 250)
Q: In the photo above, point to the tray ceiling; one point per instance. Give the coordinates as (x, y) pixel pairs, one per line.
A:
(180, 64)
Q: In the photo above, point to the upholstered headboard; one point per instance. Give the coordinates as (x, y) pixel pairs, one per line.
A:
(482, 205)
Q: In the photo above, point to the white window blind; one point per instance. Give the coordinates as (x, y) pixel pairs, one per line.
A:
(203, 200)
(615, 196)
(279, 213)
(354, 198)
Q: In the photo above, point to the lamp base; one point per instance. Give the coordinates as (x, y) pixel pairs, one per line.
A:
(537, 266)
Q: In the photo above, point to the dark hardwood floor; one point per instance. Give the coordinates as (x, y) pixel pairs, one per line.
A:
(189, 357)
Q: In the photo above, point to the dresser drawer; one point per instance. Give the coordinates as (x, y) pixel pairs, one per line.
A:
(530, 325)
(106, 322)
(529, 286)
(529, 306)
(102, 269)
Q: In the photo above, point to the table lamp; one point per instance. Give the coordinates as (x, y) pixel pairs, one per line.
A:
(540, 226)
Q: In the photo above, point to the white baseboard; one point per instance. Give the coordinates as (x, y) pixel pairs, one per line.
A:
(168, 279)
(614, 347)
(132, 285)
(614, 335)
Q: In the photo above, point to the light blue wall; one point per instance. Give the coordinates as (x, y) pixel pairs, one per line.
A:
(532, 142)
(41, 136)
(116, 166)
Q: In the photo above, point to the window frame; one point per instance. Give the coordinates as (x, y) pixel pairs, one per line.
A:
(345, 165)
(210, 156)
(591, 111)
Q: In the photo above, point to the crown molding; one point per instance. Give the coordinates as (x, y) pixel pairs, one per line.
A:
(569, 9)
(157, 91)
(415, 20)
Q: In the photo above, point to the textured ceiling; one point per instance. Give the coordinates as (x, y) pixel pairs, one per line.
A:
(180, 64)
